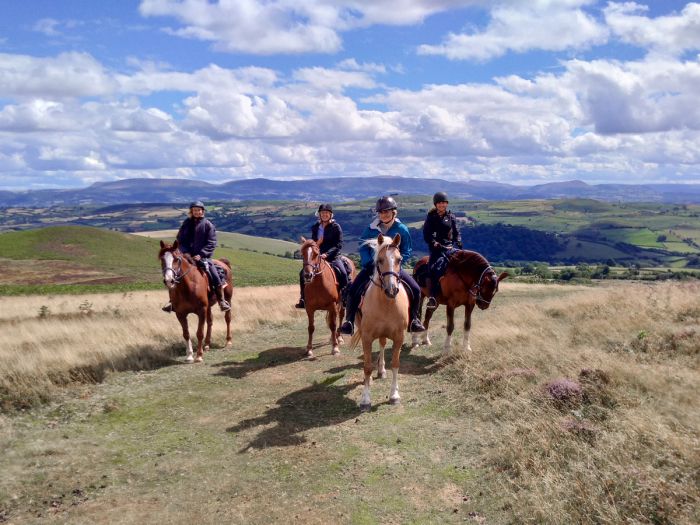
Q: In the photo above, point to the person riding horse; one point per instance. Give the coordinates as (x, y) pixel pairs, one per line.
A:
(197, 237)
(387, 224)
(329, 236)
(442, 236)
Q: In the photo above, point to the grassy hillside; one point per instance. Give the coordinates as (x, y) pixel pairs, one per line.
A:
(236, 241)
(74, 259)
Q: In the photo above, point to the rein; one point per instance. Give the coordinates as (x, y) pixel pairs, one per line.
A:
(475, 289)
(316, 269)
(178, 276)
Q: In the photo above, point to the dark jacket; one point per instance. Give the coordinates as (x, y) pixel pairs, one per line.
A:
(443, 230)
(197, 237)
(332, 239)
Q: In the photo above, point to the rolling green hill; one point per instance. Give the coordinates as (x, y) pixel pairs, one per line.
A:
(76, 259)
(237, 241)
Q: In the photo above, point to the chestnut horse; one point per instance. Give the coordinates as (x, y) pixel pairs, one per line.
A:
(384, 315)
(469, 280)
(321, 292)
(189, 294)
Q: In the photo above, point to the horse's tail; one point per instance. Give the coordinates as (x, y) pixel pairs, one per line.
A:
(357, 336)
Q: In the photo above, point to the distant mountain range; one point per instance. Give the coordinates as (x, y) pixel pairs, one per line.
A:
(340, 189)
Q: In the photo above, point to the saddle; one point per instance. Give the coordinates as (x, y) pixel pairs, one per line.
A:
(212, 266)
(403, 283)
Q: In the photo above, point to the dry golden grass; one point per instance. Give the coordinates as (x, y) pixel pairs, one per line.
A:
(627, 450)
(48, 341)
(624, 450)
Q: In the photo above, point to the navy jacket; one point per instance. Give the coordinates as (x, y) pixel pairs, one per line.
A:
(443, 230)
(332, 239)
(197, 237)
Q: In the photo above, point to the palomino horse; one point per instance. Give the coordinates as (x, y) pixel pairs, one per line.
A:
(188, 287)
(469, 280)
(384, 316)
(321, 292)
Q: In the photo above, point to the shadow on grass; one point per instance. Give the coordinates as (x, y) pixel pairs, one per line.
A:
(410, 364)
(272, 357)
(319, 405)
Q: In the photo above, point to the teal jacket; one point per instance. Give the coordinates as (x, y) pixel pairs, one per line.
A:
(372, 231)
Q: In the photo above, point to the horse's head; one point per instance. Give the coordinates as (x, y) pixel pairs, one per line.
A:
(487, 287)
(171, 263)
(311, 256)
(387, 263)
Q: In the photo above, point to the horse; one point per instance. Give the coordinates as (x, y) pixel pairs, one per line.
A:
(384, 315)
(469, 280)
(189, 294)
(321, 292)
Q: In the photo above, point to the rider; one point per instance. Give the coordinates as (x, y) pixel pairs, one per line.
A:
(329, 236)
(197, 237)
(387, 224)
(442, 236)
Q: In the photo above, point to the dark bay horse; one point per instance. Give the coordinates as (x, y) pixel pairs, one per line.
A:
(469, 280)
(321, 292)
(384, 315)
(189, 294)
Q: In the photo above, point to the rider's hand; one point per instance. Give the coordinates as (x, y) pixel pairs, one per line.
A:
(436, 244)
(323, 256)
(197, 257)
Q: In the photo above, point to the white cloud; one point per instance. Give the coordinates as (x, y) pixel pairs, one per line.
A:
(673, 34)
(524, 26)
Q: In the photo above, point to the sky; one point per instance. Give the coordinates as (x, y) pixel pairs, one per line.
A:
(514, 91)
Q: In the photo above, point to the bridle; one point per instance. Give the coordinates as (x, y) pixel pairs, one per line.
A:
(316, 268)
(475, 290)
(178, 275)
(382, 275)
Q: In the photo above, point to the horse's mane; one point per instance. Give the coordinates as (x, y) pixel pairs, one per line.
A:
(462, 260)
(307, 243)
(376, 247)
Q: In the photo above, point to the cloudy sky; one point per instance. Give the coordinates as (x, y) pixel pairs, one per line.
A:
(519, 91)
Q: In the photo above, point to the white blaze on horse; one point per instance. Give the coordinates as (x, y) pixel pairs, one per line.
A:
(384, 315)
(469, 281)
(321, 292)
(189, 294)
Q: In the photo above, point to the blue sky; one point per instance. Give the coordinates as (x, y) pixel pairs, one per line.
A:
(518, 91)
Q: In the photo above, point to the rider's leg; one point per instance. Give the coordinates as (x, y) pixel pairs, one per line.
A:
(301, 303)
(415, 325)
(216, 284)
(354, 297)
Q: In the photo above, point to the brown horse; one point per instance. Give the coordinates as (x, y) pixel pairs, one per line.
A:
(469, 280)
(189, 294)
(384, 316)
(321, 292)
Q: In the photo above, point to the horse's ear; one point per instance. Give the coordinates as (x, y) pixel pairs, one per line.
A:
(380, 239)
(162, 245)
(503, 276)
(175, 245)
(397, 240)
(303, 239)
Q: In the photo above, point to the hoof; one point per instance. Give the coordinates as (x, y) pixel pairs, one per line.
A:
(396, 401)
(365, 408)
(309, 353)
(340, 340)
(427, 343)
(190, 359)
(229, 344)
(198, 359)
(206, 348)
(336, 351)
(381, 375)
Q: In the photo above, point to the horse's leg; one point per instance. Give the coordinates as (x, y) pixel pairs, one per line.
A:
(468, 309)
(186, 336)
(450, 328)
(210, 322)
(365, 400)
(381, 367)
(227, 317)
(332, 324)
(341, 316)
(309, 348)
(201, 318)
(394, 397)
(420, 337)
(426, 323)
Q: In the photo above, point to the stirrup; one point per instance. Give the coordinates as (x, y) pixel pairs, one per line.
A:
(168, 308)
(432, 303)
(301, 304)
(347, 328)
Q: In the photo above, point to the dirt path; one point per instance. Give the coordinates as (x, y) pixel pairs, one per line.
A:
(256, 434)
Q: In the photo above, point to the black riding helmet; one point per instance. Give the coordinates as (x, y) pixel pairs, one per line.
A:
(440, 196)
(385, 203)
(325, 207)
(197, 204)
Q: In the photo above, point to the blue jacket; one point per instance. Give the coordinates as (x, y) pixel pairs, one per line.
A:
(371, 232)
(197, 237)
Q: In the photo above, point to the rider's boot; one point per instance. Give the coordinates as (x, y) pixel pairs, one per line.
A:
(416, 325)
(223, 303)
(168, 308)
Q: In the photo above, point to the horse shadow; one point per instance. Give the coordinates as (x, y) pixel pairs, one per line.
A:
(411, 363)
(272, 357)
(319, 405)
